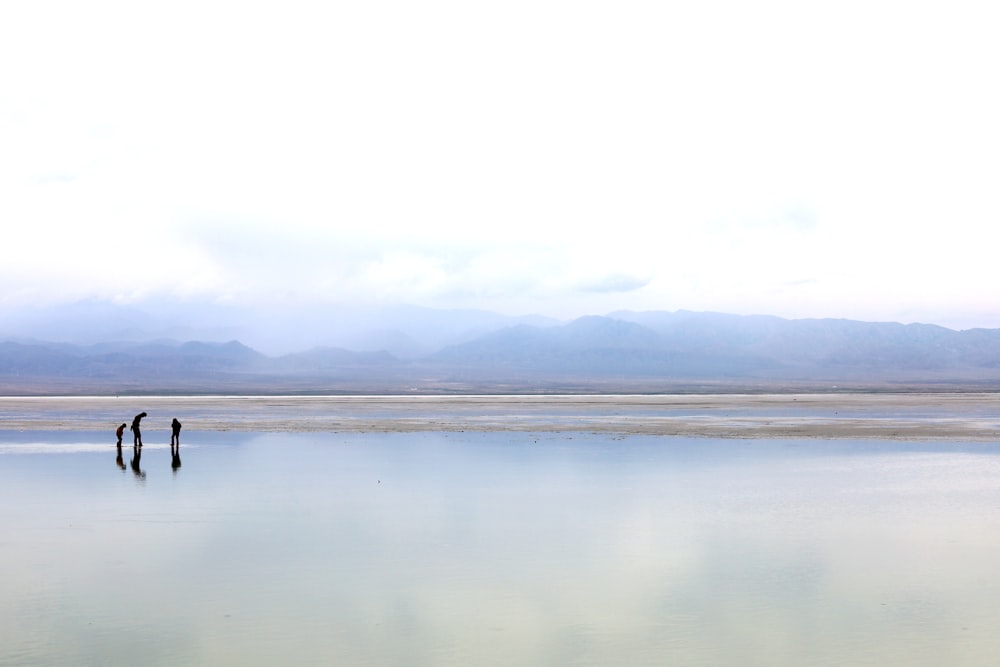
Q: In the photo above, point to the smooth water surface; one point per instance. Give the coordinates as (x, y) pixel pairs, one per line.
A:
(497, 549)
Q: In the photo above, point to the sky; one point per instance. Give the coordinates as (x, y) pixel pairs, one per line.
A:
(561, 158)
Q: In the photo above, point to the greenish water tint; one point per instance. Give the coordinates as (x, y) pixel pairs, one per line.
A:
(497, 549)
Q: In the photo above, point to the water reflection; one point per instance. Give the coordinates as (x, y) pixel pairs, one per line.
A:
(119, 460)
(175, 455)
(139, 473)
(501, 549)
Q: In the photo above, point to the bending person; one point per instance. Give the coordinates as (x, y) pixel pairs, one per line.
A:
(136, 435)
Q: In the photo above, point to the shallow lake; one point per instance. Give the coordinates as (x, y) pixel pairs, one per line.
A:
(497, 549)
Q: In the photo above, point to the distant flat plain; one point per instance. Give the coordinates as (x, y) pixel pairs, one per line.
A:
(902, 416)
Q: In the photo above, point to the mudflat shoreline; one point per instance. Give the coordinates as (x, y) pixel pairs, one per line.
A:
(916, 416)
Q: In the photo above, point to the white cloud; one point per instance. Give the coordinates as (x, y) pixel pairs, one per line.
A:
(770, 157)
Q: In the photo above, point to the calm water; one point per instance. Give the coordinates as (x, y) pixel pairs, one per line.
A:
(497, 549)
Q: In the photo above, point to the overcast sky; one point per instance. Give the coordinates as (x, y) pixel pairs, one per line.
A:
(564, 158)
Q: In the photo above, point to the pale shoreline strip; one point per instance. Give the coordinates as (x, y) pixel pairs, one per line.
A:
(916, 416)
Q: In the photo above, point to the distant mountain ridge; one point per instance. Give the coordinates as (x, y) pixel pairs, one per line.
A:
(624, 351)
(712, 345)
(828, 341)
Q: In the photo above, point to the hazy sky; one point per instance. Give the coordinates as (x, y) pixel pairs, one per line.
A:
(563, 158)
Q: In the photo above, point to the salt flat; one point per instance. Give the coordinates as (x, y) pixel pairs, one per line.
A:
(925, 416)
(502, 530)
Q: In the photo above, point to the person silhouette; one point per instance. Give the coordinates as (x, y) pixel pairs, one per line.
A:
(119, 433)
(136, 435)
(175, 432)
(119, 461)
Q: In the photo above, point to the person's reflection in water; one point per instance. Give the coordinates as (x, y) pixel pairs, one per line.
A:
(120, 461)
(136, 456)
(175, 456)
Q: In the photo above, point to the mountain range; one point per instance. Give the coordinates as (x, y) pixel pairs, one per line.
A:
(418, 350)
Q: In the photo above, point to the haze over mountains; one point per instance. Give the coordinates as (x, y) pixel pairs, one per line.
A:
(404, 331)
(98, 347)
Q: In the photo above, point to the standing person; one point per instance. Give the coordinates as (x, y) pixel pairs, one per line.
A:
(136, 435)
(175, 432)
(119, 433)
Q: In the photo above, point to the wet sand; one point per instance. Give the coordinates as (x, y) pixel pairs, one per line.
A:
(918, 416)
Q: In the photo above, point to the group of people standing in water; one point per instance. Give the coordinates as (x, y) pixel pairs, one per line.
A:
(175, 444)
